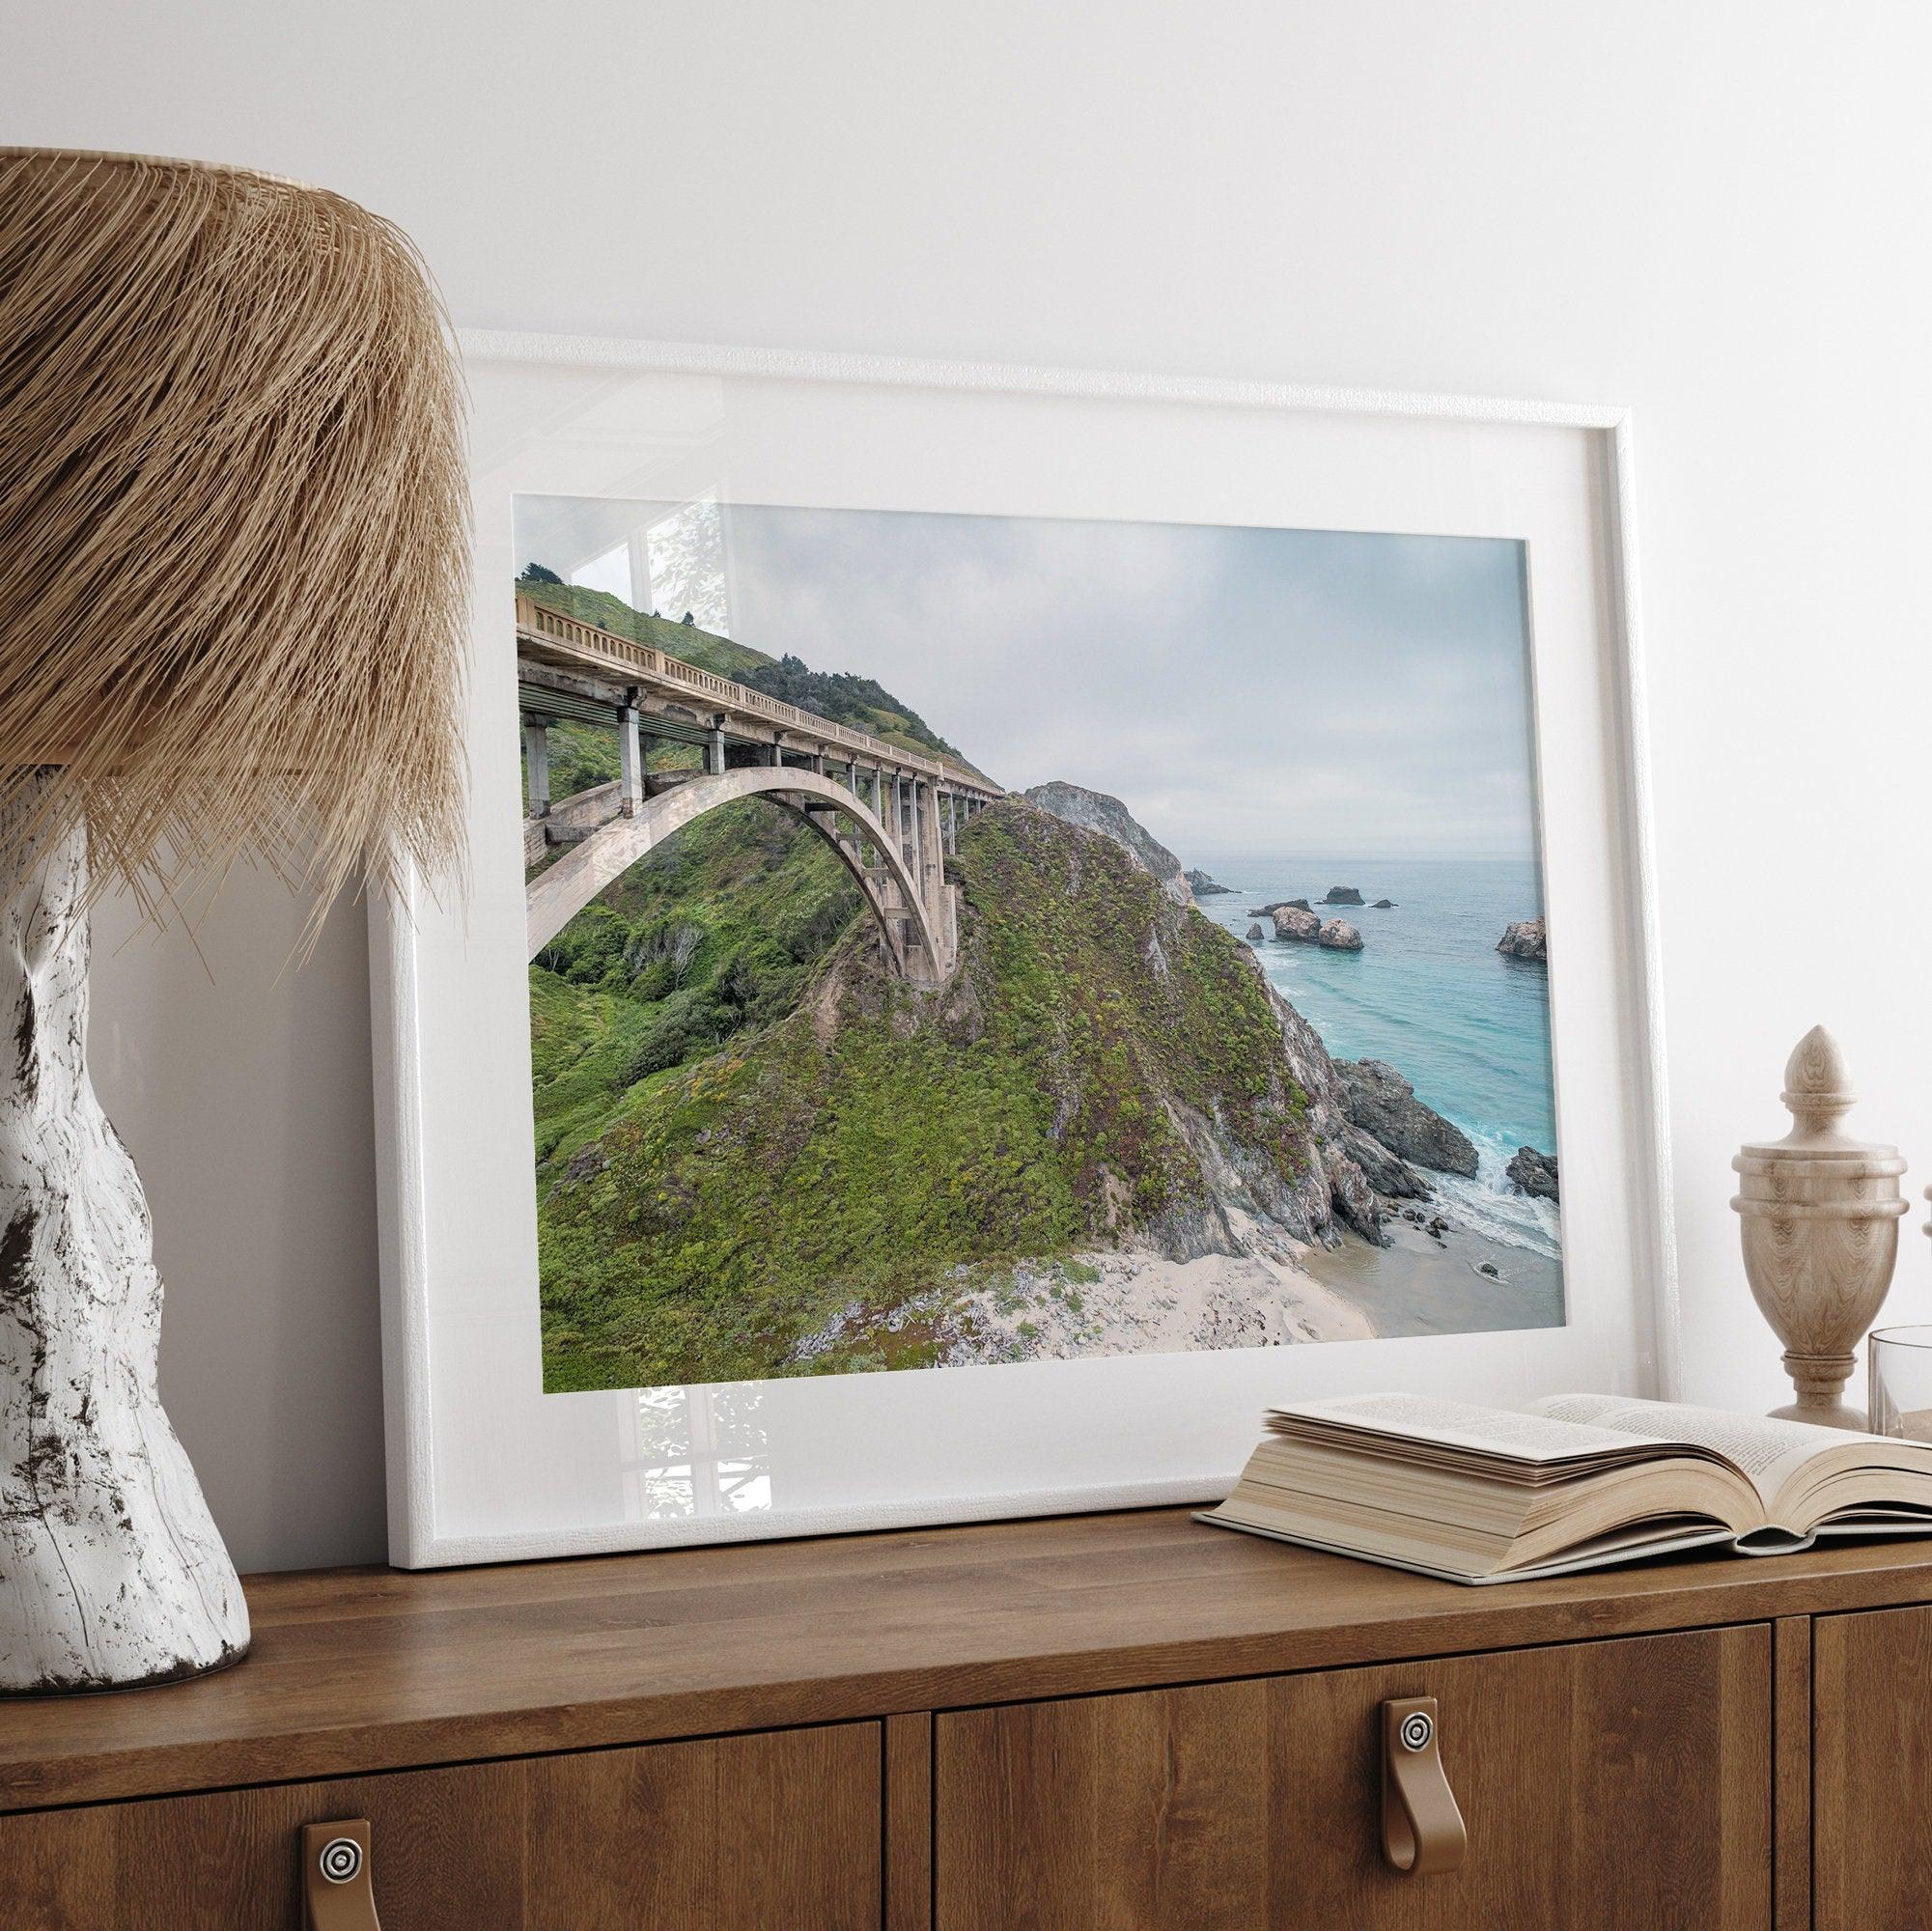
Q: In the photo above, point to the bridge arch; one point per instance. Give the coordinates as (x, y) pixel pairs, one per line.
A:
(559, 894)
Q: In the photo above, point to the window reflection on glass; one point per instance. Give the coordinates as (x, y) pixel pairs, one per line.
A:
(695, 1452)
(610, 573)
(686, 560)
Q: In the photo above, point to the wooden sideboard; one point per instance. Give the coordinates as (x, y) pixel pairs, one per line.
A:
(1116, 1721)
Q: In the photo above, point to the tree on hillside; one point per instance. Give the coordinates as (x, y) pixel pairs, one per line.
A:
(535, 573)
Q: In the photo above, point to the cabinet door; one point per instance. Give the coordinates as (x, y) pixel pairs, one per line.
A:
(743, 1833)
(1871, 1770)
(1605, 1785)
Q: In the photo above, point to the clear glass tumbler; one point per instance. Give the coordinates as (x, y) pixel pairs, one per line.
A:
(1901, 1382)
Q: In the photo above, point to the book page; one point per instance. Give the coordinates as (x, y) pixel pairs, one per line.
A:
(1765, 1451)
(1497, 1430)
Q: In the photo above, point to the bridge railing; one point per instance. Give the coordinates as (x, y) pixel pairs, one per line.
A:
(593, 640)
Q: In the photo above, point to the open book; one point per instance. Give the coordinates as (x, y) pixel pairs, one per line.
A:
(1491, 1494)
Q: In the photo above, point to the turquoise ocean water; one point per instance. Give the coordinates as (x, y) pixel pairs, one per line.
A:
(1429, 993)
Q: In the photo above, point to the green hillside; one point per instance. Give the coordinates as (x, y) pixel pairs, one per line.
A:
(711, 935)
(852, 1142)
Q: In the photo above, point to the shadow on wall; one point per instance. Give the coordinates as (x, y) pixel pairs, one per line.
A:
(245, 1098)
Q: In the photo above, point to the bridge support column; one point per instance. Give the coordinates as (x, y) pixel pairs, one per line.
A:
(715, 750)
(631, 763)
(952, 823)
(931, 869)
(537, 765)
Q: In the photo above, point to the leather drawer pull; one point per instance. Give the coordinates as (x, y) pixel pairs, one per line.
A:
(1422, 1829)
(336, 1891)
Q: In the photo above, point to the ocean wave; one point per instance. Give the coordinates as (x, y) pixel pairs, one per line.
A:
(1492, 1204)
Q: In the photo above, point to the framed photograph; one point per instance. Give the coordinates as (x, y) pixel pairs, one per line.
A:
(1018, 918)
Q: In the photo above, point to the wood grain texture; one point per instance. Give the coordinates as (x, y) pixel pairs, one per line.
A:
(1871, 1773)
(743, 1833)
(1791, 1757)
(1614, 1786)
(908, 1822)
(364, 1671)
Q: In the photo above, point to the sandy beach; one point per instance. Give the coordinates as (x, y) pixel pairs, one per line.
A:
(1279, 1294)
(1424, 1286)
(1140, 1304)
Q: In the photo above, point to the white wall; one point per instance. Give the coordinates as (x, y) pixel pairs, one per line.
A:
(1715, 210)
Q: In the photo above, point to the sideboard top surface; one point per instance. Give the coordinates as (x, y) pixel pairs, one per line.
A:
(367, 1670)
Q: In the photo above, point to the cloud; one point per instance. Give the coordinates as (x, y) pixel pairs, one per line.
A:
(1244, 690)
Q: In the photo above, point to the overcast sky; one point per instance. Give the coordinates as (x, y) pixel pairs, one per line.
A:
(1243, 690)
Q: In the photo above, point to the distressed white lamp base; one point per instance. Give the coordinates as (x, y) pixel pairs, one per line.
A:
(111, 1571)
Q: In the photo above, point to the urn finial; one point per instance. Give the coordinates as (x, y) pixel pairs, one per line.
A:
(1817, 1088)
(1820, 1214)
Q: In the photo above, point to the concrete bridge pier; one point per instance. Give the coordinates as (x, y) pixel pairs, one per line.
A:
(537, 765)
(715, 750)
(629, 763)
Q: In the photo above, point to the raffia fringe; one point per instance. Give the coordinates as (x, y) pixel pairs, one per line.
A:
(233, 531)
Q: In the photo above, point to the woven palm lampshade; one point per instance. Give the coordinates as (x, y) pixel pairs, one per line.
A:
(234, 567)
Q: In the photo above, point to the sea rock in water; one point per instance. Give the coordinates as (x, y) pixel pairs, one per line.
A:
(1204, 888)
(1339, 936)
(1255, 931)
(1383, 1103)
(1292, 922)
(1383, 904)
(1276, 904)
(1096, 811)
(1525, 939)
(1535, 1173)
(1341, 895)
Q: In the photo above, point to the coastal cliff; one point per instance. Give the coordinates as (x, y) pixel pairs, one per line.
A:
(1097, 811)
(865, 1182)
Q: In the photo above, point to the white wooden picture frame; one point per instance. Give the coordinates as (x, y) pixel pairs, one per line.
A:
(484, 1465)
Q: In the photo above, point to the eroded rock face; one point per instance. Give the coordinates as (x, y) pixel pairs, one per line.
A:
(1341, 895)
(1535, 1173)
(1383, 1103)
(1254, 932)
(1096, 811)
(1525, 939)
(1293, 922)
(1383, 904)
(1339, 936)
(1387, 1173)
(1274, 906)
(1203, 886)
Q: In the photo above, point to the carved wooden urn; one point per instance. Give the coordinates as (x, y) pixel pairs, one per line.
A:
(1821, 1214)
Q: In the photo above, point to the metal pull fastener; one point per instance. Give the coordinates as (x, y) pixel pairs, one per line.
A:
(1422, 1829)
(336, 1889)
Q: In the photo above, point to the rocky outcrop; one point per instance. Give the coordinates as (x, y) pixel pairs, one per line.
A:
(1383, 904)
(1204, 888)
(1378, 1100)
(1341, 895)
(1534, 1173)
(1391, 1176)
(1347, 1167)
(1339, 936)
(1525, 939)
(1095, 811)
(1275, 905)
(1296, 922)
(1255, 931)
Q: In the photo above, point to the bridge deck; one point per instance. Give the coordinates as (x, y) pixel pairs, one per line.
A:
(549, 636)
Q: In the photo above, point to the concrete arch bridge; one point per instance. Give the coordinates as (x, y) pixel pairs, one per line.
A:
(890, 814)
